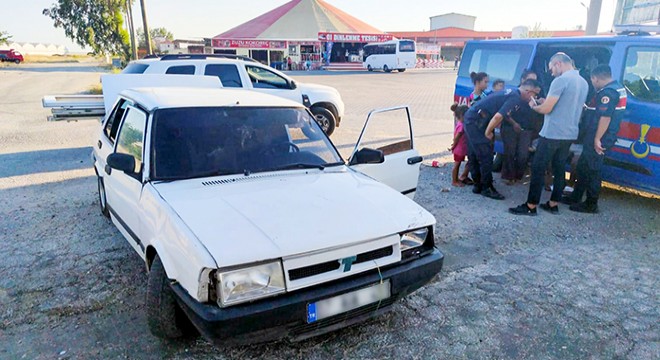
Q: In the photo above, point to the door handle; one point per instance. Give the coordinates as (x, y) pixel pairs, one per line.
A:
(100, 144)
(414, 160)
(108, 169)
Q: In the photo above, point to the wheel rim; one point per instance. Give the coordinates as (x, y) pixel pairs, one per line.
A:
(323, 122)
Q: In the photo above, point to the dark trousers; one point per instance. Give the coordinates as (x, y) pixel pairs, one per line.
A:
(480, 158)
(516, 152)
(553, 152)
(588, 175)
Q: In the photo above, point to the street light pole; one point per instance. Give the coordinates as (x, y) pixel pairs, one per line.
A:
(147, 36)
(593, 16)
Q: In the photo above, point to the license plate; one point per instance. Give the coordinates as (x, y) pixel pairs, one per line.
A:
(347, 302)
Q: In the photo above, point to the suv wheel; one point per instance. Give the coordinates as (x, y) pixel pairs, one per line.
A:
(164, 316)
(325, 119)
(103, 203)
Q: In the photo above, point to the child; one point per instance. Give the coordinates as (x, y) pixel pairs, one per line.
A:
(480, 81)
(498, 85)
(459, 147)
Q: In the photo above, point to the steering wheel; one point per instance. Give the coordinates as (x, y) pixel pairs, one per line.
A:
(276, 148)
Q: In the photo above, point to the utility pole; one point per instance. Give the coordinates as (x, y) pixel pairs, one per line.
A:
(147, 37)
(593, 16)
(131, 29)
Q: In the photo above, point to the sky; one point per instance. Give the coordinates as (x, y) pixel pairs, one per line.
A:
(23, 19)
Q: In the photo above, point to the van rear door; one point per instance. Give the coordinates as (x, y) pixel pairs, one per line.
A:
(503, 60)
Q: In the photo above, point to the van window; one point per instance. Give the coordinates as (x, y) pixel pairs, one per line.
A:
(500, 62)
(228, 74)
(641, 75)
(181, 70)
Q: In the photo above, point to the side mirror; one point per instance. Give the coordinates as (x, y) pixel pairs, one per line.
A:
(368, 156)
(293, 85)
(121, 162)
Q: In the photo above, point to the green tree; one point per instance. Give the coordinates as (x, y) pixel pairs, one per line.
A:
(160, 32)
(4, 37)
(98, 24)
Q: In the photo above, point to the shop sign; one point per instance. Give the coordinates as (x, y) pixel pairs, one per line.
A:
(248, 44)
(354, 38)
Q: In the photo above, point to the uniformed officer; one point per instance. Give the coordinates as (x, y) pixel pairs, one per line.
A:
(601, 124)
(480, 122)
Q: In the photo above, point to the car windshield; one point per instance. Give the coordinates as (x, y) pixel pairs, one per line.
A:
(209, 141)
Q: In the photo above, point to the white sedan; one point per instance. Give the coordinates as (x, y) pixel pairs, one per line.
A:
(251, 225)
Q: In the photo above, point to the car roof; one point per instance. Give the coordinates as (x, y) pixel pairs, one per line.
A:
(187, 61)
(176, 97)
(653, 39)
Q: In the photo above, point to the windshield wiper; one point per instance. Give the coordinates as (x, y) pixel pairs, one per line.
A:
(334, 164)
(216, 172)
(300, 166)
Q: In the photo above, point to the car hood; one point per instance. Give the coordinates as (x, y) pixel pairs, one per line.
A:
(246, 219)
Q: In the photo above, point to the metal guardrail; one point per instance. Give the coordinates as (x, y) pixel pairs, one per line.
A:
(72, 107)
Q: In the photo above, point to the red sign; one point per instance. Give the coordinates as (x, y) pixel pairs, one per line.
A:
(354, 38)
(249, 44)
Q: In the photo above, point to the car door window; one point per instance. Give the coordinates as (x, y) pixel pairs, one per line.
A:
(265, 79)
(388, 131)
(131, 136)
(641, 75)
(228, 74)
(181, 70)
(112, 124)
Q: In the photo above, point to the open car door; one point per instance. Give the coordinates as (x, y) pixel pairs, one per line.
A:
(389, 131)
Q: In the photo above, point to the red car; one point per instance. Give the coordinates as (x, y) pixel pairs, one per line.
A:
(11, 55)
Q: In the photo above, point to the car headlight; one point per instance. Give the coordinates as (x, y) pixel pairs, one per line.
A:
(413, 239)
(247, 284)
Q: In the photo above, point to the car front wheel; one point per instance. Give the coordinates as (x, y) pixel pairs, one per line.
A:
(325, 119)
(103, 203)
(165, 317)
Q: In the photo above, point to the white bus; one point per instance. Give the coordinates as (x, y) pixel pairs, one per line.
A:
(390, 55)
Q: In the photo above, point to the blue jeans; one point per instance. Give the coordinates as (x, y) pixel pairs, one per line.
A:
(549, 151)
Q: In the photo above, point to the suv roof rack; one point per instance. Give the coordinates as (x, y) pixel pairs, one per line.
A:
(635, 29)
(204, 57)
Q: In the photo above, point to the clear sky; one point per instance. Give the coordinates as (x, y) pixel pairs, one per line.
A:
(206, 18)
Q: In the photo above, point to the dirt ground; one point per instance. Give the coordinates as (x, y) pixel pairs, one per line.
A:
(571, 286)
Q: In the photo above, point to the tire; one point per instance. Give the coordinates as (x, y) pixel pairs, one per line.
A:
(103, 202)
(401, 70)
(386, 69)
(17, 61)
(165, 318)
(497, 162)
(369, 68)
(325, 119)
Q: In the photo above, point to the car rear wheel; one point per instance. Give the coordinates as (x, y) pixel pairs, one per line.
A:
(402, 70)
(369, 68)
(164, 316)
(325, 119)
(17, 61)
(386, 69)
(103, 203)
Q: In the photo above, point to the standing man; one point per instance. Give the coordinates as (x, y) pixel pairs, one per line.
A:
(480, 122)
(562, 110)
(604, 113)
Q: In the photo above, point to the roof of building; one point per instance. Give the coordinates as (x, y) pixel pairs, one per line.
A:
(301, 20)
(454, 32)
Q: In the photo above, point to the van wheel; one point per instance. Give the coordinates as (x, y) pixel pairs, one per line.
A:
(17, 61)
(401, 70)
(164, 316)
(386, 69)
(103, 203)
(369, 68)
(325, 119)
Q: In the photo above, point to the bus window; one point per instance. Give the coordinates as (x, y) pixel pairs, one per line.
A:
(642, 73)
(501, 62)
(406, 46)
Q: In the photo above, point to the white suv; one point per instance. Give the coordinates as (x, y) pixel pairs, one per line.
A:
(243, 72)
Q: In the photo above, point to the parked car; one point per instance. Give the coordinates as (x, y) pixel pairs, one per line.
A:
(251, 225)
(11, 55)
(242, 72)
(634, 161)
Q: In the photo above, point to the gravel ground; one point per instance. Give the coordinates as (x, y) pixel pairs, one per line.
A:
(571, 286)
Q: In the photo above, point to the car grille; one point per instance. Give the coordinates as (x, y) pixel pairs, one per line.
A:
(317, 269)
(337, 319)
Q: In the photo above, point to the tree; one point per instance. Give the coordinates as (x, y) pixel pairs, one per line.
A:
(155, 33)
(98, 24)
(4, 38)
